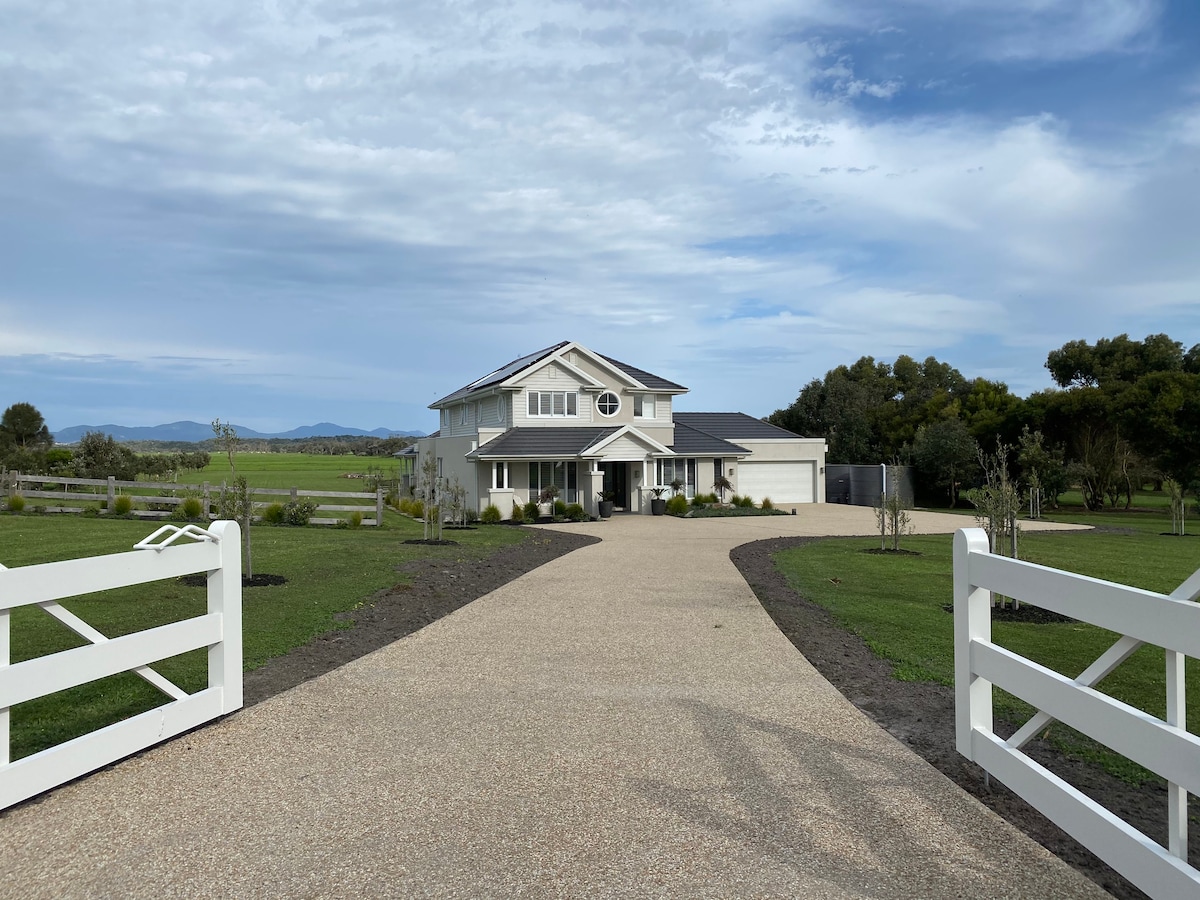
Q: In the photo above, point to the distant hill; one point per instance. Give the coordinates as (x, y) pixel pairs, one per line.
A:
(194, 432)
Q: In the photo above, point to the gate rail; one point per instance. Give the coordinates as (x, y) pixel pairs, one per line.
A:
(1162, 746)
(215, 551)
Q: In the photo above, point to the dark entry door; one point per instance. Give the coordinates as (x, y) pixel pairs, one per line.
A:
(616, 479)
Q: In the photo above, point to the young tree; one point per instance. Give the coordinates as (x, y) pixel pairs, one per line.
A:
(891, 514)
(427, 490)
(236, 500)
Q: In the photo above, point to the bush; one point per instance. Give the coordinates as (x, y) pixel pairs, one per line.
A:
(471, 516)
(560, 508)
(123, 505)
(190, 509)
(531, 511)
(410, 506)
(16, 503)
(767, 504)
(744, 502)
(491, 515)
(273, 514)
(298, 512)
(92, 512)
(575, 513)
(518, 514)
(677, 506)
(355, 520)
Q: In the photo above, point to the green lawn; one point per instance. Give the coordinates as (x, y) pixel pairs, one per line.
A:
(328, 570)
(895, 605)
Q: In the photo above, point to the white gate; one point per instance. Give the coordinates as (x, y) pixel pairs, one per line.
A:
(1162, 746)
(215, 551)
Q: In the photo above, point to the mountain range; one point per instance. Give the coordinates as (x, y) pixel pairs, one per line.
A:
(194, 432)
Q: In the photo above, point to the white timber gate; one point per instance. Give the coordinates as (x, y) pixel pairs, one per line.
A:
(215, 551)
(1163, 746)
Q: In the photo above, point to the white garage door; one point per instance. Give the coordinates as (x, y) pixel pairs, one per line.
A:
(783, 482)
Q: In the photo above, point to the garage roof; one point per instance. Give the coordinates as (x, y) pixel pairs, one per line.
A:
(733, 426)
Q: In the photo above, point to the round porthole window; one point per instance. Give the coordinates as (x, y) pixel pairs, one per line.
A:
(608, 403)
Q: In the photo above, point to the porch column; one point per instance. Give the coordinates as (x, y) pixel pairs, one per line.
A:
(591, 482)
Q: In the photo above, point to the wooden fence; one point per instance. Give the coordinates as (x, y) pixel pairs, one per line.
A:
(170, 495)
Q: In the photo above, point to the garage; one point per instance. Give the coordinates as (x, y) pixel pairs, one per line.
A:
(783, 482)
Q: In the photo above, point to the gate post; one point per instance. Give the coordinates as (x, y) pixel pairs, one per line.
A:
(972, 622)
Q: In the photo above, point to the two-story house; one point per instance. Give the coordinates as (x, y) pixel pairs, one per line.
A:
(584, 422)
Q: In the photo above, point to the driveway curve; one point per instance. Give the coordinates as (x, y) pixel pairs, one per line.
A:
(625, 721)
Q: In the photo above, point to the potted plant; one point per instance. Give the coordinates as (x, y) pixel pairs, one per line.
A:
(658, 506)
(547, 497)
(606, 498)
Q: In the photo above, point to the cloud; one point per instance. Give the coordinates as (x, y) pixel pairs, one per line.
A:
(348, 206)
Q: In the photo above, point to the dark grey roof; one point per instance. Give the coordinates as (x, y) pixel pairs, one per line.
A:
(504, 372)
(651, 381)
(733, 426)
(691, 442)
(543, 443)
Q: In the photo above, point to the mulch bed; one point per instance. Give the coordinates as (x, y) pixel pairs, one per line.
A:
(921, 715)
(248, 581)
(437, 587)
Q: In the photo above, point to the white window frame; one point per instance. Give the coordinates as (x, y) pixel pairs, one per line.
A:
(639, 406)
(501, 477)
(560, 472)
(688, 476)
(613, 394)
(546, 402)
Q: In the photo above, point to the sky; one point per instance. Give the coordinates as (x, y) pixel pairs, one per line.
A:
(279, 213)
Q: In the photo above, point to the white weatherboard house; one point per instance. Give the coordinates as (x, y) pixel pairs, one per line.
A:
(571, 417)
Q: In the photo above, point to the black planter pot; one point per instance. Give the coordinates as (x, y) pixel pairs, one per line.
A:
(606, 508)
(658, 507)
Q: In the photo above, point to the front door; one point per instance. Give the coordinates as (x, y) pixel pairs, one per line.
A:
(616, 480)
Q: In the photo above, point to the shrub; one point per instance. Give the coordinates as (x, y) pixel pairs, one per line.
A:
(16, 503)
(575, 512)
(677, 506)
(298, 512)
(531, 511)
(745, 502)
(518, 514)
(491, 514)
(191, 508)
(92, 512)
(767, 504)
(122, 505)
(560, 508)
(273, 514)
(470, 516)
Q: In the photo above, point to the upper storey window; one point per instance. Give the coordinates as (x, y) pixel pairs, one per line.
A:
(608, 403)
(643, 406)
(554, 404)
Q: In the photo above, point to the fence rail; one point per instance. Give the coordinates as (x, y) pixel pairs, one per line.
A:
(1163, 746)
(208, 494)
(214, 551)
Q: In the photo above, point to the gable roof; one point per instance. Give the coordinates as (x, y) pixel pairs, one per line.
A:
(500, 375)
(543, 443)
(690, 441)
(505, 373)
(651, 381)
(734, 426)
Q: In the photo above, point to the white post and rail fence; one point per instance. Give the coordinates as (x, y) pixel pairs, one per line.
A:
(1163, 746)
(170, 552)
(58, 490)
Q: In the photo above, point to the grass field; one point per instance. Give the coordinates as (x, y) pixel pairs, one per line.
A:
(299, 470)
(896, 605)
(328, 570)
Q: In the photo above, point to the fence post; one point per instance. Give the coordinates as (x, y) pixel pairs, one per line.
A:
(378, 507)
(295, 495)
(205, 500)
(225, 599)
(1177, 796)
(972, 622)
(112, 492)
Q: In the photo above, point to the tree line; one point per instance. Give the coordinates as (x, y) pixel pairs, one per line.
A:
(1123, 413)
(26, 445)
